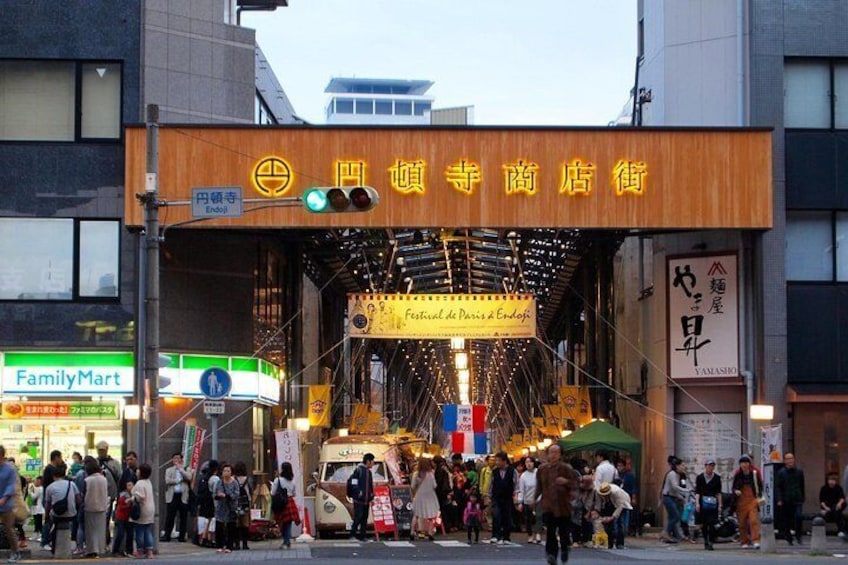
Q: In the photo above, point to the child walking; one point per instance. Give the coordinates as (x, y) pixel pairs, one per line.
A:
(123, 527)
(472, 517)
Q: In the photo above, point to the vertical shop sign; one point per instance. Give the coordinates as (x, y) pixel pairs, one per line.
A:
(192, 445)
(288, 449)
(703, 317)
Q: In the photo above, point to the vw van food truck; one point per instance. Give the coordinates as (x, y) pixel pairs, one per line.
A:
(339, 457)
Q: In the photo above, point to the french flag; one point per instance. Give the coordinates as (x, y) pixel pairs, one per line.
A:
(465, 442)
(464, 418)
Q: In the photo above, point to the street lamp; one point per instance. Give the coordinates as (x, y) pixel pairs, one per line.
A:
(761, 412)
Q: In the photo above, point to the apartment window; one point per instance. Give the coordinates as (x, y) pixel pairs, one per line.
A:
(100, 104)
(840, 100)
(344, 106)
(403, 108)
(39, 258)
(364, 106)
(99, 250)
(383, 107)
(816, 94)
(421, 107)
(817, 246)
(39, 100)
(809, 246)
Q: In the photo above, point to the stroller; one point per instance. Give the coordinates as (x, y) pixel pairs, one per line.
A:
(727, 527)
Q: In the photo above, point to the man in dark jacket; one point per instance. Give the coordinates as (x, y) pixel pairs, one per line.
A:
(503, 491)
(361, 490)
(789, 493)
(443, 486)
(554, 485)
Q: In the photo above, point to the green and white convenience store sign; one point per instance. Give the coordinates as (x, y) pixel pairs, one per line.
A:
(67, 373)
(253, 379)
(75, 374)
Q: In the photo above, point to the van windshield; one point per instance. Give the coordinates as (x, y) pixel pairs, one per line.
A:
(338, 472)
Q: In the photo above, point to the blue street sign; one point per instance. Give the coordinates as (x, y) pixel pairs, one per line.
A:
(215, 383)
(216, 202)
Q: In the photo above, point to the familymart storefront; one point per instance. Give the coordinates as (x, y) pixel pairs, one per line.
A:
(72, 400)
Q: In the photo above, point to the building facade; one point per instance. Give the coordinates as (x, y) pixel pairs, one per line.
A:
(378, 101)
(780, 65)
(71, 78)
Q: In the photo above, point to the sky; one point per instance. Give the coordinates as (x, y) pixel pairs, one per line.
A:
(518, 62)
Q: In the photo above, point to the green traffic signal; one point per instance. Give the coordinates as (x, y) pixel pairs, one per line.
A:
(340, 199)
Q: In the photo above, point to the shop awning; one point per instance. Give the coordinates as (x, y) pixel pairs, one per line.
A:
(817, 393)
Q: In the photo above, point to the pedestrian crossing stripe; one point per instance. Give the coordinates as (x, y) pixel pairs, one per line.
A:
(450, 543)
(398, 544)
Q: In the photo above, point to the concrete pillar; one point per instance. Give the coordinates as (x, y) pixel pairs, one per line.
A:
(62, 547)
(768, 543)
(818, 541)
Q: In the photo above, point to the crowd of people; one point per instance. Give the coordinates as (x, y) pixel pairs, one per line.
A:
(570, 503)
(709, 505)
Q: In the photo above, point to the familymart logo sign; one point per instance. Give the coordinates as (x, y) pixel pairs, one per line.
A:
(67, 373)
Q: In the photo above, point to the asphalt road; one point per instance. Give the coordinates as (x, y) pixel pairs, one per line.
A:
(453, 551)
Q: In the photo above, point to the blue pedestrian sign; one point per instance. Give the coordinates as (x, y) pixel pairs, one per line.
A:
(215, 383)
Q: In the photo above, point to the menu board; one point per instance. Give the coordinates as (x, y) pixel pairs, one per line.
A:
(381, 510)
(703, 436)
(402, 506)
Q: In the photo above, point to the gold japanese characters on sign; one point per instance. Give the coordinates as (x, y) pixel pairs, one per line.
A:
(587, 178)
(272, 176)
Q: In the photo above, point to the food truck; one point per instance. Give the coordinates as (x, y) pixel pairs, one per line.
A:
(338, 459)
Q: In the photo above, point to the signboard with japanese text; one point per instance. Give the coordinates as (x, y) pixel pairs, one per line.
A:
(192, 445)
(442, 316)
(767, 509)
(476, 176)
(699, 437)
(381, 510)
(703, 317)
(288, 449)
(73, 410)
(216, 202)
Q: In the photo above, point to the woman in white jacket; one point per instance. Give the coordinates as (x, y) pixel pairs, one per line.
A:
(528, 504)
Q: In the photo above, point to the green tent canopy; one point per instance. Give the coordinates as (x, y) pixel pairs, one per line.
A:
(601, 435)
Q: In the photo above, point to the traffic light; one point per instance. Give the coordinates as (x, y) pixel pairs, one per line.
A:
(340, 199)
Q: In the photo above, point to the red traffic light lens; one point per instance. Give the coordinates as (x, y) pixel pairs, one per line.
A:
(360, 198)
(338, 199)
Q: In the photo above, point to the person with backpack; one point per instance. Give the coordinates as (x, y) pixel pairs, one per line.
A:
(242, 506)
(61, 500)
(177, 487)
(283, 505)
(360, 488)
(206, 503)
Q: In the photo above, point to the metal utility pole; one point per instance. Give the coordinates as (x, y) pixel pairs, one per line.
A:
(150, 344)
